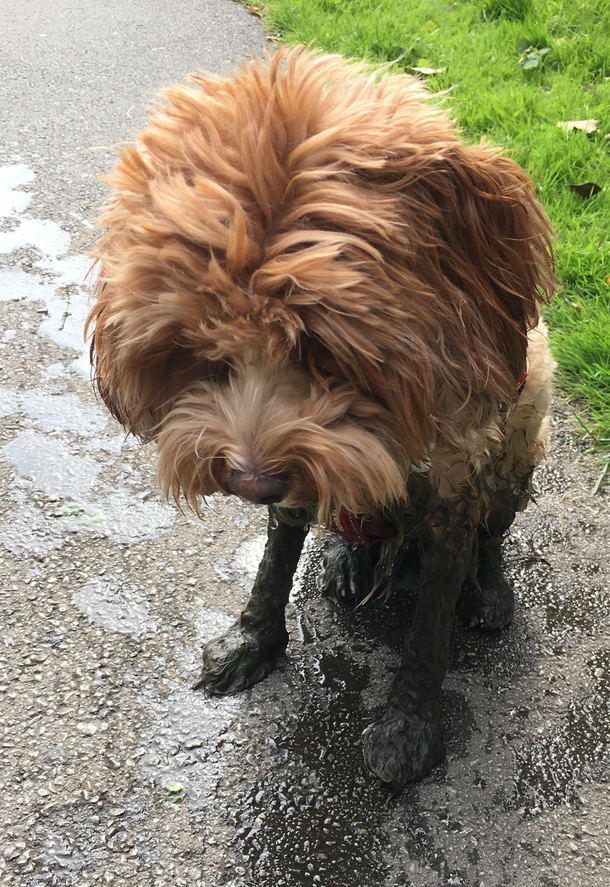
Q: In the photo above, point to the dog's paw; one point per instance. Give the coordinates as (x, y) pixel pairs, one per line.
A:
(238, 659)
(489, 606)
(347, 571)
(403, 748)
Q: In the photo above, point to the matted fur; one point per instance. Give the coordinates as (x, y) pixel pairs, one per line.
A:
(305, 269)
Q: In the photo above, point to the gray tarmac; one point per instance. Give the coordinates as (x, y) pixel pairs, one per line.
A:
(112, 770)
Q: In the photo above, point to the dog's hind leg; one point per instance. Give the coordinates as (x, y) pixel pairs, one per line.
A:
(408, 742)
(247, 652)
(487, 599)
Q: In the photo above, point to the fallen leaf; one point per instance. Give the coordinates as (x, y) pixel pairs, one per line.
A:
(426, 72)
(587, 126)
(600, 479)
(532, 58)
(608, 280)
(172, 787)
(587, 189)
(254, 10)
(576, 306)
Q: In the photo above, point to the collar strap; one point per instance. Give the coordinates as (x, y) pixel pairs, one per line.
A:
(363, 529)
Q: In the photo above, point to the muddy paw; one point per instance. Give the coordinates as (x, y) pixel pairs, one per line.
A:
(403, 748)
(238, 659)
(491, 605)
(347, 571)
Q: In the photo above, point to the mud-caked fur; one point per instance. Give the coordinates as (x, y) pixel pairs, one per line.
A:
(314, 295)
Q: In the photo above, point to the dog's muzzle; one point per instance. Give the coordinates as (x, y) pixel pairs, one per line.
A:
(261, 489)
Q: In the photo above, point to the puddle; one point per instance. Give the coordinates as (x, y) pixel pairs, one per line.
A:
(244, 564)
(191, 738)
(73, 841)
(27, 532)
(67, 300)
(67, 843)
(115, 605)
(51, 466)
(17, 285)
(9, 401)
(581, 607)
(67, 310)
(42, 234)
(208, 623)
(188, 745)
(550, 769)
(55, 412)
(12, 201)
(568, 603)
(53, 373)
(412, 850)
(121, 517)
(316, 817)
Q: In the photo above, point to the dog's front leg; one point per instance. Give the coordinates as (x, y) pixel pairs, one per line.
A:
(408, 742)
(247, 652)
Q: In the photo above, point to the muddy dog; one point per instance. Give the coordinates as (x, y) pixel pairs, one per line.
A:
(313, 295)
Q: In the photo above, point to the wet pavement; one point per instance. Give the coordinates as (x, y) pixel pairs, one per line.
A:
(112, 769)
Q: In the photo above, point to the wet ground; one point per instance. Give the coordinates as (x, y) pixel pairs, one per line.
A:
(112, 769)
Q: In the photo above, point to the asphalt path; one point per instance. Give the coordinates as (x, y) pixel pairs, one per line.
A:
(112, 770)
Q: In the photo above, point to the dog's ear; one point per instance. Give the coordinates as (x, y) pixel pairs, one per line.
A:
(493, 245)
(136, 373)
(481, 246)
(466, 270)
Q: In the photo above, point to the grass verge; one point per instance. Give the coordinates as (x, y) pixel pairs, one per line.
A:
(514, 69)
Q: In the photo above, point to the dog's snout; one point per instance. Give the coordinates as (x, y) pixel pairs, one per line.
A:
(261, 489)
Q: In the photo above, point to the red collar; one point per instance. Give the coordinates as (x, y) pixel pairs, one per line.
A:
(520, 387)
(363, 529)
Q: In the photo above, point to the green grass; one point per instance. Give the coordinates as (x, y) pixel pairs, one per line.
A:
(483, 45)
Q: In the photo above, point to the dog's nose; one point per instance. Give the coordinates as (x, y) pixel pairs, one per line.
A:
(262, 489)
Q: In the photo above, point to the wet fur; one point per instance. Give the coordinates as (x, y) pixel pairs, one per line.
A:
(304, 271)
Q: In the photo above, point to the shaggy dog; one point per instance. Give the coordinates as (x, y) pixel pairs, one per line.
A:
(314, 296)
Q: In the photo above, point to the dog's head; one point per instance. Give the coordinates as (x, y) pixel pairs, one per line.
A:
(306, 280)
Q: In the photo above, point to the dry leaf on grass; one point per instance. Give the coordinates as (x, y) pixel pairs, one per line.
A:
(426, 72)
(587, 126)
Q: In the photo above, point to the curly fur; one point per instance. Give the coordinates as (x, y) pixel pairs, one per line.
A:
(313, 294)
(323, 225)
